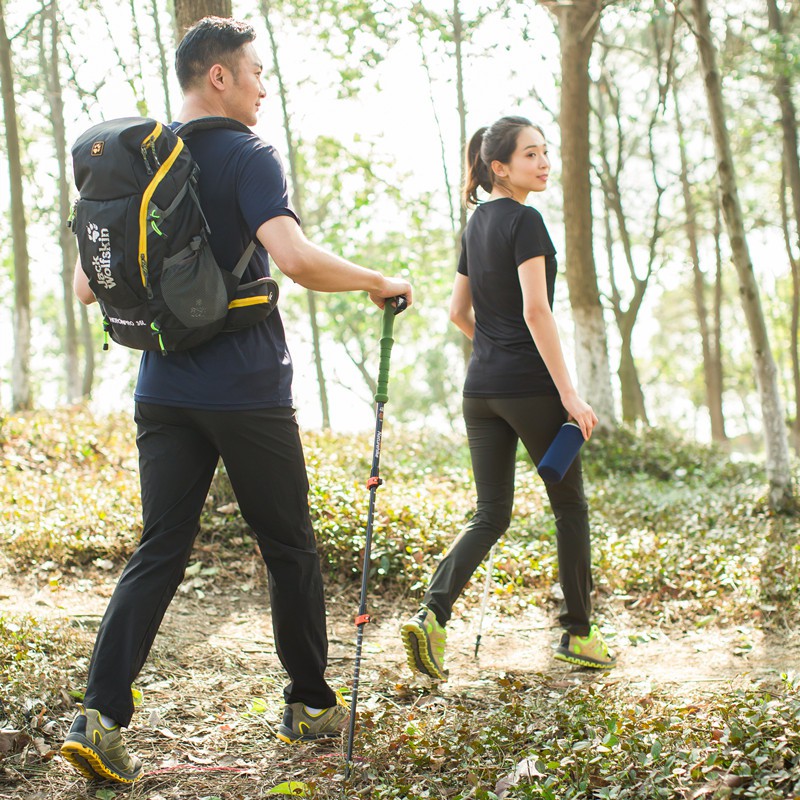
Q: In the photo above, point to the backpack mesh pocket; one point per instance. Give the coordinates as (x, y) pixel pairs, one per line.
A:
(193, 286)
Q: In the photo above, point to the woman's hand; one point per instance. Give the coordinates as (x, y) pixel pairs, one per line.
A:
(581, 413)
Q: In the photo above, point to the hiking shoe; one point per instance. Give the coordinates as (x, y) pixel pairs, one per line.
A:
(424, 639)
(302, 725)
(586, 651)
(98, 752)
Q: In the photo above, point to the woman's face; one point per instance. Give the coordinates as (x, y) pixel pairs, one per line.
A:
(529, 167)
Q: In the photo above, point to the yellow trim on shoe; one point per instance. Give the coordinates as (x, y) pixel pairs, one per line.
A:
(417, 655)
(585, 661)
(86, 760)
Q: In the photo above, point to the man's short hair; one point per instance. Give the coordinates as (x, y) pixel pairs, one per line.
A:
(211, 40)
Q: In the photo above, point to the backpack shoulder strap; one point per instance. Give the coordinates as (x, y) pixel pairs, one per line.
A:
(241, 264)
(207, 123)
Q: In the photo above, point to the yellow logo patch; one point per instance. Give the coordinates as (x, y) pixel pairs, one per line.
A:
(97, 148)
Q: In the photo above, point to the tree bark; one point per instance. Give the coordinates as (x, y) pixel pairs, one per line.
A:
(712, 364)
(297, 202)
(49, 58)
(162, 59)
(21, 398)
(781, 495)
(187, 12)
(791, 160)
(577, 24)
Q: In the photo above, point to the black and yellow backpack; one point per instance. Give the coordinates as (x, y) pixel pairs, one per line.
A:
(143, 238)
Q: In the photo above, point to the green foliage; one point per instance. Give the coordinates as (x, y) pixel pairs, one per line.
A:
(34, 659)
(679, 532)
(675, 525)
(660, 454)
(71, 488)
(552, 740)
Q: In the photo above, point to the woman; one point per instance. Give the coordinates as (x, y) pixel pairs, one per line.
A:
(517, 387)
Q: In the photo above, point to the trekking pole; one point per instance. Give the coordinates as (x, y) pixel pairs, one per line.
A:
(393, 306)
(486, 585)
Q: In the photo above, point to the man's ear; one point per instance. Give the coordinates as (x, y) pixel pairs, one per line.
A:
(217, 76)
(500, 169)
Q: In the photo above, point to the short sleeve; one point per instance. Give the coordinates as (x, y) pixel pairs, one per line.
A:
(261, 185)
(531, 238)
(462, 258)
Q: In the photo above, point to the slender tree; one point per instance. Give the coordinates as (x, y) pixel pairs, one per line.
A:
(774, 426)
(50, 58)
(783, 89)
(21, 396)
(712, 356)
(577, 24)
(297, 201)
(163, 70)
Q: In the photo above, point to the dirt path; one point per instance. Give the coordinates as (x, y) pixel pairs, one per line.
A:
(214, 659)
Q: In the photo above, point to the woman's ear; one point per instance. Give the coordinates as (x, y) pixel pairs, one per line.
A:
(500, 169)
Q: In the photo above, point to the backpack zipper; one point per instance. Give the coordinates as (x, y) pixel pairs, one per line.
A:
(163, 169)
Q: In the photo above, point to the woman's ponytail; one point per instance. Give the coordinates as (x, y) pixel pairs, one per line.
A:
(476, 173)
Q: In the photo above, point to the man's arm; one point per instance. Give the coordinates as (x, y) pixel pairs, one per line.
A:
(80, 285)
(318, 269)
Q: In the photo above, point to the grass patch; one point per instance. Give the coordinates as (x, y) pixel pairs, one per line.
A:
(673, 523)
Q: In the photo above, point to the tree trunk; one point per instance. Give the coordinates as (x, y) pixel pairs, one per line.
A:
(791, 160)
(162, 58)
(187, 12)
(775, 438)
(297, 202)
(88, 352)
(458, 39)
(633, 405)
(794, 322)
(461, 108)
(577, 24)
(49, 59)
(712, 375)
(20, 371)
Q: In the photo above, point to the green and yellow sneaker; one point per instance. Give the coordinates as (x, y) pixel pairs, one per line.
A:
(425, 639)
(300, 724)
(586, 651)
(98, 752)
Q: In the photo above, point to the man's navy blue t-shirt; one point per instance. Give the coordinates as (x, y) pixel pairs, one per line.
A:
(242, 185)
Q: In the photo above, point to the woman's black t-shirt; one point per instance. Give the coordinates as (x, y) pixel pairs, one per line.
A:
(500, 236)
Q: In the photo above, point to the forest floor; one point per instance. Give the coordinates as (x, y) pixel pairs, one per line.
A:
(212, 685)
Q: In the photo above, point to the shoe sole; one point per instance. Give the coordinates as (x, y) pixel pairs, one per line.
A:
(305, 738)
(418, 657)
(88, 761)
(583, 662)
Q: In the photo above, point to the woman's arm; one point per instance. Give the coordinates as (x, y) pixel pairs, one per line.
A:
(542, 325)
(461, 311)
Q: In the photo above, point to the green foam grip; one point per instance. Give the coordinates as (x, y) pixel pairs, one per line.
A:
(382, 393)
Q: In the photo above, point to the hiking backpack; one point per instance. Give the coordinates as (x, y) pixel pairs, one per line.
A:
(143, 239)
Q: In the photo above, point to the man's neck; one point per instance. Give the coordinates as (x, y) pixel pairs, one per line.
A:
(195, 107)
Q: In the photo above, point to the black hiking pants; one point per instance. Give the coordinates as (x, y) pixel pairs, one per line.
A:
(178, 453)
(494, 426)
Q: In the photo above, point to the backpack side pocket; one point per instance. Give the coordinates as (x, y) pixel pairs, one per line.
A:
(193, 286)
(253, 303)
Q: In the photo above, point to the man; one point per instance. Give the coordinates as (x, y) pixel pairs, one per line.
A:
(229, 398)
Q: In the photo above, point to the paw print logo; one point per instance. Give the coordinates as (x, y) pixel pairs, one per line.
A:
(92, 231)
